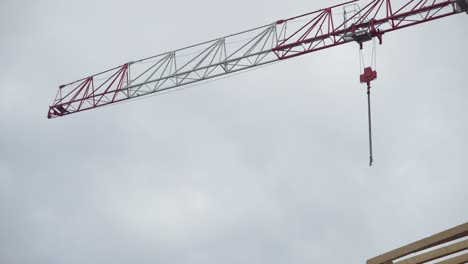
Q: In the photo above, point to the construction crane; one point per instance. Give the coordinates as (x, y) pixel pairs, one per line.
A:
(280, 40)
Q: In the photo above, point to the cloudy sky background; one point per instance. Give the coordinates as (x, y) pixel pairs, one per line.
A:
(270, 166)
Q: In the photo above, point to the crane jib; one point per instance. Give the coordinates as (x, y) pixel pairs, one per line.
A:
(283, 39)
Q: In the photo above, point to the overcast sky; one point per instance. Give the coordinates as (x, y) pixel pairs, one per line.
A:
(270, 166)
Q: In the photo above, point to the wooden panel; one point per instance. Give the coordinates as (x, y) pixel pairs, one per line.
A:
(437, 253)
(456, 260)
(437, 239)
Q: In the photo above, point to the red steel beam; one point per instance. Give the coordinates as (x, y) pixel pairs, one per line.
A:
(284, 39)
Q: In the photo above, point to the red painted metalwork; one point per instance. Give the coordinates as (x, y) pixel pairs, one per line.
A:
(85, 95)
(284, 39)
(368, 75)
(374, 20)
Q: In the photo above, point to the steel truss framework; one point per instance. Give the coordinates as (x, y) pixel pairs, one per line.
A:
(280, 40)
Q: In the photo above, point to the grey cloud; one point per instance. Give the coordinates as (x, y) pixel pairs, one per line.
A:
(268, 166)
